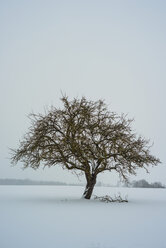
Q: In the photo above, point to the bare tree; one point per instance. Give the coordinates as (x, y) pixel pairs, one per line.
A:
(84, 137)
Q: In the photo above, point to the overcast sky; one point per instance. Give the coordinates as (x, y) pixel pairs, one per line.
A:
(114, 50)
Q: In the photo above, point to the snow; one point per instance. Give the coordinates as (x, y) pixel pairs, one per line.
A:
(56, 216)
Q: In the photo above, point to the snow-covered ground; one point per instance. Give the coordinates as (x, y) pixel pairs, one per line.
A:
(56, 217)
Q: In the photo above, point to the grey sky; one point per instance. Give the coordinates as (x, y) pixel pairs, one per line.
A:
(114, 50)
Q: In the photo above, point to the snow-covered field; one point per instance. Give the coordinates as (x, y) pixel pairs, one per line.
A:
(56, 217)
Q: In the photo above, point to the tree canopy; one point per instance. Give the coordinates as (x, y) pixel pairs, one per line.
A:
(84, 136)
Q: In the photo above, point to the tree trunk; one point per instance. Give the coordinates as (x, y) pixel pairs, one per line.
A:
(91, 181)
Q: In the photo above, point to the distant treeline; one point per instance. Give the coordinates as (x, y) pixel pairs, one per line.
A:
(31, 182)
(144, 184)
(134, 184)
